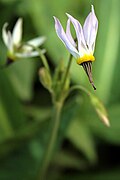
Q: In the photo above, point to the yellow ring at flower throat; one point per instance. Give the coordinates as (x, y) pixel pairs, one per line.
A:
(85, 58)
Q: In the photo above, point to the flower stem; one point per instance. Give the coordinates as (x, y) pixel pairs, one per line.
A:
(66, 73)
(42, 56)
(58, 104)
(79, 87)
(52, 140)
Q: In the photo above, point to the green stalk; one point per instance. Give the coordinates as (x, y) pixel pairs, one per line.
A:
(55, 126)
(42, 56)
(79, 87)
(66, 73)
(52, 140)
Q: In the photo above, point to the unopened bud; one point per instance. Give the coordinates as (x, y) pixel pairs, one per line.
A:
(45, 78)
(100, 109)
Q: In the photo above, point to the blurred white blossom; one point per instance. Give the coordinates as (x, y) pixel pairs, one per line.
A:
(13, 41)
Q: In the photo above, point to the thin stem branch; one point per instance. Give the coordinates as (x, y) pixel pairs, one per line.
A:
(42, 56)
(52, 140)
(67, 72)
(79, 87)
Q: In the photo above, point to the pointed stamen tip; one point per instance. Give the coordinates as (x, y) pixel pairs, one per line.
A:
(93, 86)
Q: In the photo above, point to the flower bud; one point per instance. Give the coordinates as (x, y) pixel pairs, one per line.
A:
(45, 78)
(100, 109)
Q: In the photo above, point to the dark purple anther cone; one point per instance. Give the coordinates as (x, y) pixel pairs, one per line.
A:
(88, 69)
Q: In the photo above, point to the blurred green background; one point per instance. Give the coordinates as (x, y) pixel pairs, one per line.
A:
(85, 147)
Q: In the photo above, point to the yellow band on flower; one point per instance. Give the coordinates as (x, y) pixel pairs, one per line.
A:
(85, 58)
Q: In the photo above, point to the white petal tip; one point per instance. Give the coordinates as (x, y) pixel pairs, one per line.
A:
(5, 25)
(92, 8)
(68, 15)
(20, 20)
(17, 32)
(36, 42)
(43, 38)
(55, 18)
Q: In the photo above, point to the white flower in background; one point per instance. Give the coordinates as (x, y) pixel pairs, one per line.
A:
(86, 36)
(16, 48)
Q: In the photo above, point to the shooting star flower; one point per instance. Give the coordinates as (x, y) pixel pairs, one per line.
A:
(83, 50)
(16, 48)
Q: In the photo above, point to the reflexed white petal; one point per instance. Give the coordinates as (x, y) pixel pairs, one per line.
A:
(79, 32)
(90, 29)
(5, 34)
(17, 32)
(37, 41)
(34, 42)
(61, 34)
(68, 34)
(29, 54)
(27, 48)
(43, 51)
(10, 42)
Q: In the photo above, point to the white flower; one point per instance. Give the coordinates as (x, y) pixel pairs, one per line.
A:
(86, 36)
(13, 41)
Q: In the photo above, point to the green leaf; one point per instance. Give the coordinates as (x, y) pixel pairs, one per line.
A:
(38, 113)
(22, 74)
(11, 117)
(107, 55)
(6, 129)
(68, 159)
(19, 165)
(80, 136)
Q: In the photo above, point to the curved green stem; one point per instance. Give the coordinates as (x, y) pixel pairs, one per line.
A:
(52, 140)
(79, 87)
